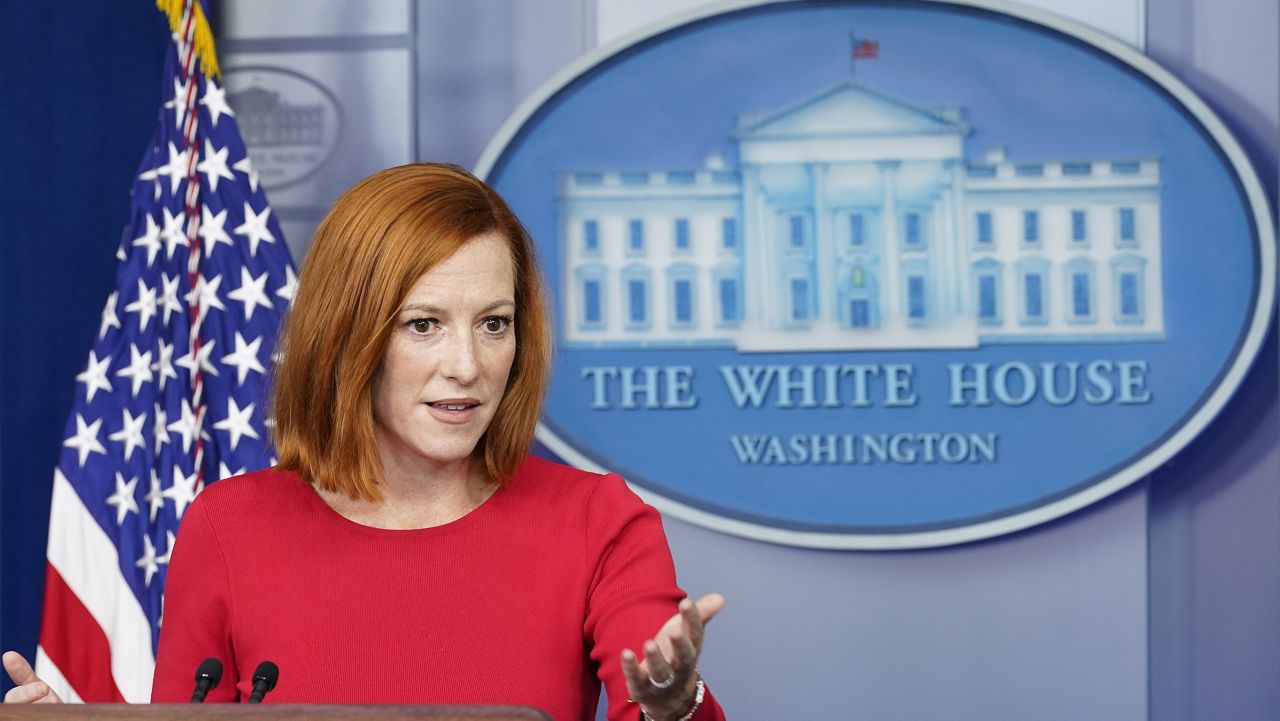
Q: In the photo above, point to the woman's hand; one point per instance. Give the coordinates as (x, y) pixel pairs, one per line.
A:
(666, 681)
(29, 688)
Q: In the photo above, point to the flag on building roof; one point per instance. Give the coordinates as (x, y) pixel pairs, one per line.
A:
(174, 391)
(863, 49)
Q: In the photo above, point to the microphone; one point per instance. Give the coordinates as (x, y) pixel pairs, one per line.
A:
(207, 677)
(264, 679)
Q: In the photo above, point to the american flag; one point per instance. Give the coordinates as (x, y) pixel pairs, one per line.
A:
(174, 391)
(863, 49)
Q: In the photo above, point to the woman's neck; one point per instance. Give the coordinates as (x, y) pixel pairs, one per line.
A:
(423, 497)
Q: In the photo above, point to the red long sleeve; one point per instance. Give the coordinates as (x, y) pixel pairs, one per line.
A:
(527, 600)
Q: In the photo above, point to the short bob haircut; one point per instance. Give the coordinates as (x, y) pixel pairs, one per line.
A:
(375, 243)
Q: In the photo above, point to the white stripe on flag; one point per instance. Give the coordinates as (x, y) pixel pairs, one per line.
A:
(89, 564)
(52, 675)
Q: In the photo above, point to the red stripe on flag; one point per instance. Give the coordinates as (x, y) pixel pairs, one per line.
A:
(75, 642)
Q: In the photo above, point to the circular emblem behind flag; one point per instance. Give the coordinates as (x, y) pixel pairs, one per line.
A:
(884, 275)
(290, 122)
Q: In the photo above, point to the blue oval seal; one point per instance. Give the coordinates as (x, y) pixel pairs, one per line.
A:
(832, 274)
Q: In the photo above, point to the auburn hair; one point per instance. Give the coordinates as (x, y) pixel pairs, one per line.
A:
(373, 245)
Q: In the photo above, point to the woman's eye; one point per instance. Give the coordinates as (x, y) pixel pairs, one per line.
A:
(495, 324)
(422, 325)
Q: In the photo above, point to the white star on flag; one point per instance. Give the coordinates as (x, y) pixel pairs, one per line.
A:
(85, 439)
(254, 228)
(130, 433)
(154, 498)
(176, 168)
(211, 230)
(123, 499)
(174, 234)
(237, 422)
(148, 560)
(215, 99)
(179, 102)
(161, 429)
(206, 294)
(169, 297)
(139, 369)
(200, 360)
(94, 376)
(252, 292)
(109, 317)
(183, 490)
(290, 287)
(246, 166)
(214, 165)
(164, 363)
(244, 358)
(144, 306)
(164, 560)
(149, 240)
(185, 426)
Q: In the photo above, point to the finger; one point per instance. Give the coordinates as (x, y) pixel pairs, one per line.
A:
(18, 668)
(691, 622)
(660, 670)
(709, 605)
(684, 647)
(632, 673)
(29, 693)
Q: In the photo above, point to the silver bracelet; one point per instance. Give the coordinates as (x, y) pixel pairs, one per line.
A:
(700, 691)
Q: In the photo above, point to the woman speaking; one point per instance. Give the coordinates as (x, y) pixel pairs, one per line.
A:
(406, 548)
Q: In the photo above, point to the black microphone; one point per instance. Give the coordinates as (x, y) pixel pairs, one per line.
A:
(264, 679)
(207, 677)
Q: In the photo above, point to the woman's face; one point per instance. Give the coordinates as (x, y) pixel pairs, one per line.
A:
(448, 359)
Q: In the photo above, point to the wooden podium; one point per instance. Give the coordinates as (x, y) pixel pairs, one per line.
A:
(267, 712)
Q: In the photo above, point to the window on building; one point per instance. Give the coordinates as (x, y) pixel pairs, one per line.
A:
(637, 301)
(915, 297)
(988, 306)
(1033, 303)
(911, 229)
(1031, 226)
(1078, 228)
(728, 300)
(682, 289)
(796, 226)
(1130, 301)
(985, 236)
(591, 309)
(1128, 229)
(635, 235)
(1081, 295)
(857, 230)
(799, 299)
(682, 233)
(859, 313)
(729, 233)
(591, 236)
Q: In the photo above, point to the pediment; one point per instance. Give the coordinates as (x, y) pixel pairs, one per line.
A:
(850, 108)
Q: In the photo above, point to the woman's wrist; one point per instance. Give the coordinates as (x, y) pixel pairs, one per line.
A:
(681, 707)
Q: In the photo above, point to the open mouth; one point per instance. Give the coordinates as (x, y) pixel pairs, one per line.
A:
(453, 406)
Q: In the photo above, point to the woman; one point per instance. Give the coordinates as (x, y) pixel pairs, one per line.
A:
(406, 549)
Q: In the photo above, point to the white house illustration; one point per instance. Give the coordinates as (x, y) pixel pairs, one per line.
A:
(854, 221)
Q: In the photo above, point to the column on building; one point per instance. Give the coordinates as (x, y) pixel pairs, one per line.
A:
(961, 292)
(890, 278)
(825, 285)
(757, 277)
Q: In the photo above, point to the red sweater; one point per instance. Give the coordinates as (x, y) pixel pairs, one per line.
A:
(527, 600)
